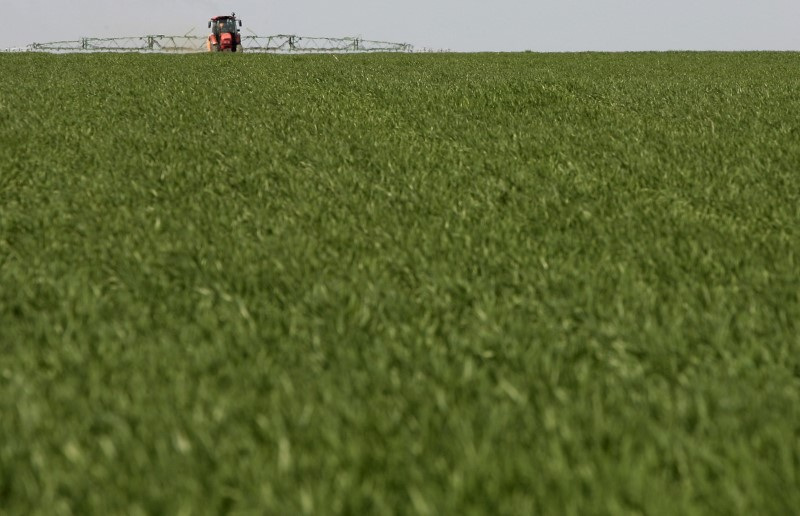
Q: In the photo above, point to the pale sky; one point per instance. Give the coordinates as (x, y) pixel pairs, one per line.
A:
(459, 25)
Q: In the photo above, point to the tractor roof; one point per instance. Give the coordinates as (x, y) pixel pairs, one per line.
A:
(217, 18)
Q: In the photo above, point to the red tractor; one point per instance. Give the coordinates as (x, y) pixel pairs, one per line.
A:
(225, 35)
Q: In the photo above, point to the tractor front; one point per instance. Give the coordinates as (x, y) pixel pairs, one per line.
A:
(225, 35)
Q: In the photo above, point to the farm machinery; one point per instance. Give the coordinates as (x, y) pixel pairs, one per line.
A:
(225, 35)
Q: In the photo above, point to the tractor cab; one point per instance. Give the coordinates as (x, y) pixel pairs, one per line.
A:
(224, 35)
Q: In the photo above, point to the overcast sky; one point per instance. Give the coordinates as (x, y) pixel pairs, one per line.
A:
(460, 25)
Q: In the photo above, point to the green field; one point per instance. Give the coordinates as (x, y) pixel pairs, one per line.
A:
(410, 284)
